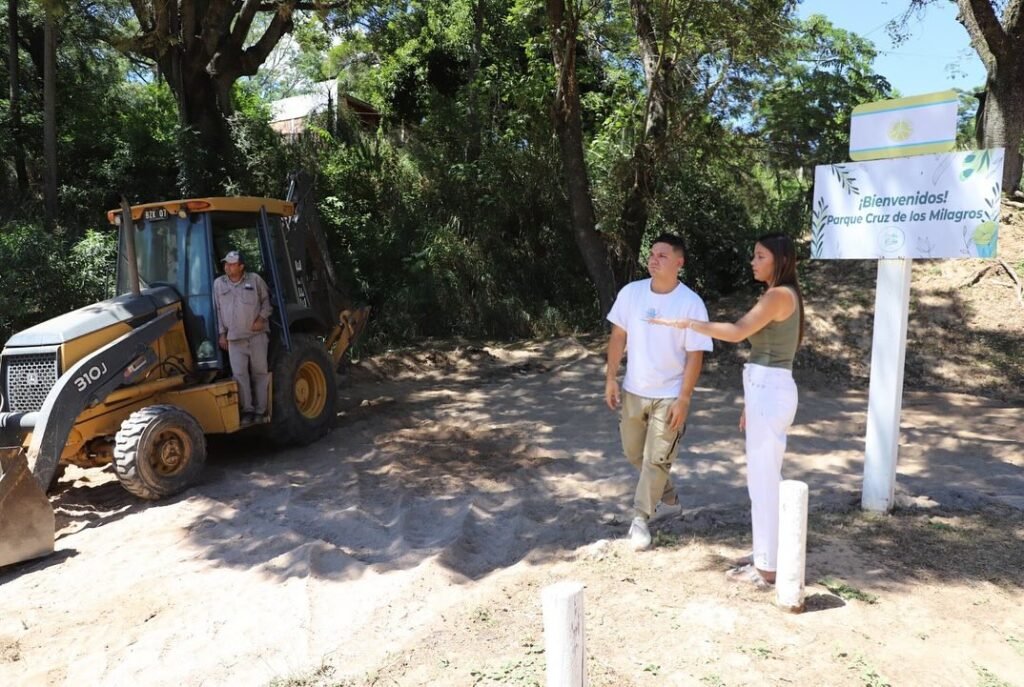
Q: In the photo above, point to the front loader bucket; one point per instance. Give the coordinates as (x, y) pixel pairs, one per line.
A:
(27, 527)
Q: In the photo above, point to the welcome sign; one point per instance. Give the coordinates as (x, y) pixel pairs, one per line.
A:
(926, 206)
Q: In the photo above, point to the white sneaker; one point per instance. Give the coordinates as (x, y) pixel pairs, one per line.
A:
(639, 535)
(664, 510)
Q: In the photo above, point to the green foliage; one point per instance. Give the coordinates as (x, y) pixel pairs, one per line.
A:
(115, 135)
(452, 219)
(845, 591)
(27, 253)
(455, 254)
(461, 228)
(91, 266)
(260, 166)
(803, 104)
(718, 228)
(966, 121)
(46, 275)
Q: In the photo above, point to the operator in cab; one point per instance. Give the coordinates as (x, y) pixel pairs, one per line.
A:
(243, 315)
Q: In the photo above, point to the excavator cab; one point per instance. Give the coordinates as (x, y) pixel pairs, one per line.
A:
(138, 380)
(179, 244)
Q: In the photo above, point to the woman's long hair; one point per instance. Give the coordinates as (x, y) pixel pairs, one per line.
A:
(784, 252)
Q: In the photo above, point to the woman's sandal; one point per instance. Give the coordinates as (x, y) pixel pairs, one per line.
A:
(747, 574)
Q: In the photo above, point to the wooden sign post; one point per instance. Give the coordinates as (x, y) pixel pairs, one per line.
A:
(903, 198)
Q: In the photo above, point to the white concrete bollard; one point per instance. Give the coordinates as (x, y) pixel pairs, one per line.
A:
(563, 634)
(789, 577)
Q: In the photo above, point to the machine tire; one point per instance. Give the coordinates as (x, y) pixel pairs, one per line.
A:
(57, 474)
(305, 394)
(159, 451)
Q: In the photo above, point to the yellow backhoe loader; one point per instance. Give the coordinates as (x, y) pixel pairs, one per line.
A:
(139, 381)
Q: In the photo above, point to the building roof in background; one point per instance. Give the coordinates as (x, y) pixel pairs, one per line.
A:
(298, 106)
(288, 115)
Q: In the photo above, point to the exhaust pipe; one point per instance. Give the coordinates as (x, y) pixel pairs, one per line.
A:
(128, 227)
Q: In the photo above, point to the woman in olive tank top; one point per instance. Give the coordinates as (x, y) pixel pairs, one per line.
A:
(774, 327)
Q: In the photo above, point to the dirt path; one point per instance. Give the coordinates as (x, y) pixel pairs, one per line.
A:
(409, 548)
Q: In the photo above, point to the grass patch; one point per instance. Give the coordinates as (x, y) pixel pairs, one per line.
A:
(949, 545)
(868, 675)
(845, 591)
(761, 652)
(986, 678)
(666, 540)
(523, 673)
(323, 676)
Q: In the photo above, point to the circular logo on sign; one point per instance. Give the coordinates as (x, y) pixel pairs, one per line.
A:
(900, 130)
(891, 240)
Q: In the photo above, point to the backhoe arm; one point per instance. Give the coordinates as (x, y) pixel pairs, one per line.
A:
(88, 382)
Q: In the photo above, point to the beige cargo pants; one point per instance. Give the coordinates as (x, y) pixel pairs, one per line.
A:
(651, 447)
(249, 368)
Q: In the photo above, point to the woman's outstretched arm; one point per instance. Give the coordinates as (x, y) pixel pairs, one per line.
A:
(775, 304)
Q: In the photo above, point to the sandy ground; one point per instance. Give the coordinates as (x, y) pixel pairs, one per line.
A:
(409, 547)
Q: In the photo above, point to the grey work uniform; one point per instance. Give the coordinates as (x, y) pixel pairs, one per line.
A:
(238, 306)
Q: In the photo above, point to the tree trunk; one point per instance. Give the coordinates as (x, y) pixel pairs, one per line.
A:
(50, 122)
(1003, 126)
(474, 144)
(581, 210)
(568, 123)
(206, 144)
(17, 144)
(203, 47)
(658, 67)
(999, 43)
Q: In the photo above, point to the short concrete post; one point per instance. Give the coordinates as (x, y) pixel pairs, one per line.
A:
(564, 635)
(789, 577)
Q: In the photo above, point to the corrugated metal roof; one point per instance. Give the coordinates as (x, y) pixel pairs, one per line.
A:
(299, 106)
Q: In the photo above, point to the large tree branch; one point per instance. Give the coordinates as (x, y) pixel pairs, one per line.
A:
(244, 21)
(649, 52)
(216, 24)
(164, 12)
(1013, 20)
(144, 14)
(987, 34)
(341, 4)
(189, 28)
(250, 60)
(563, 27)
(659, 66)
(140, 45)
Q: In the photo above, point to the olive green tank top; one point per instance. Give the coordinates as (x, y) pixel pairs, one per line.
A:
(775, 345)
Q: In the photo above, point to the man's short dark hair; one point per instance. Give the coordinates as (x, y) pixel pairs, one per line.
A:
(673, 240)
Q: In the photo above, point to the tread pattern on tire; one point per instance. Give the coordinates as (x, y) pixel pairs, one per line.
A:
(126, 451)
(288, 426)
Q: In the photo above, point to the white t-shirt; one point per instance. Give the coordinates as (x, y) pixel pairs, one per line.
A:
(657, 353)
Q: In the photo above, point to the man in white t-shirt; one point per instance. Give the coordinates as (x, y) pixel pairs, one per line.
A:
(662, 370)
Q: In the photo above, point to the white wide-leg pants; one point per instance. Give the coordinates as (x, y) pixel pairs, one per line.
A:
(770, 396)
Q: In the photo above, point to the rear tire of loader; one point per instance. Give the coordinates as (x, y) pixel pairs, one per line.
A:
(305, 393)
(159, 451)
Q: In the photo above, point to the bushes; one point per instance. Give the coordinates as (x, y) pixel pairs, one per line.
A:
(475, 249)
(42, 275)
(30, 281)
